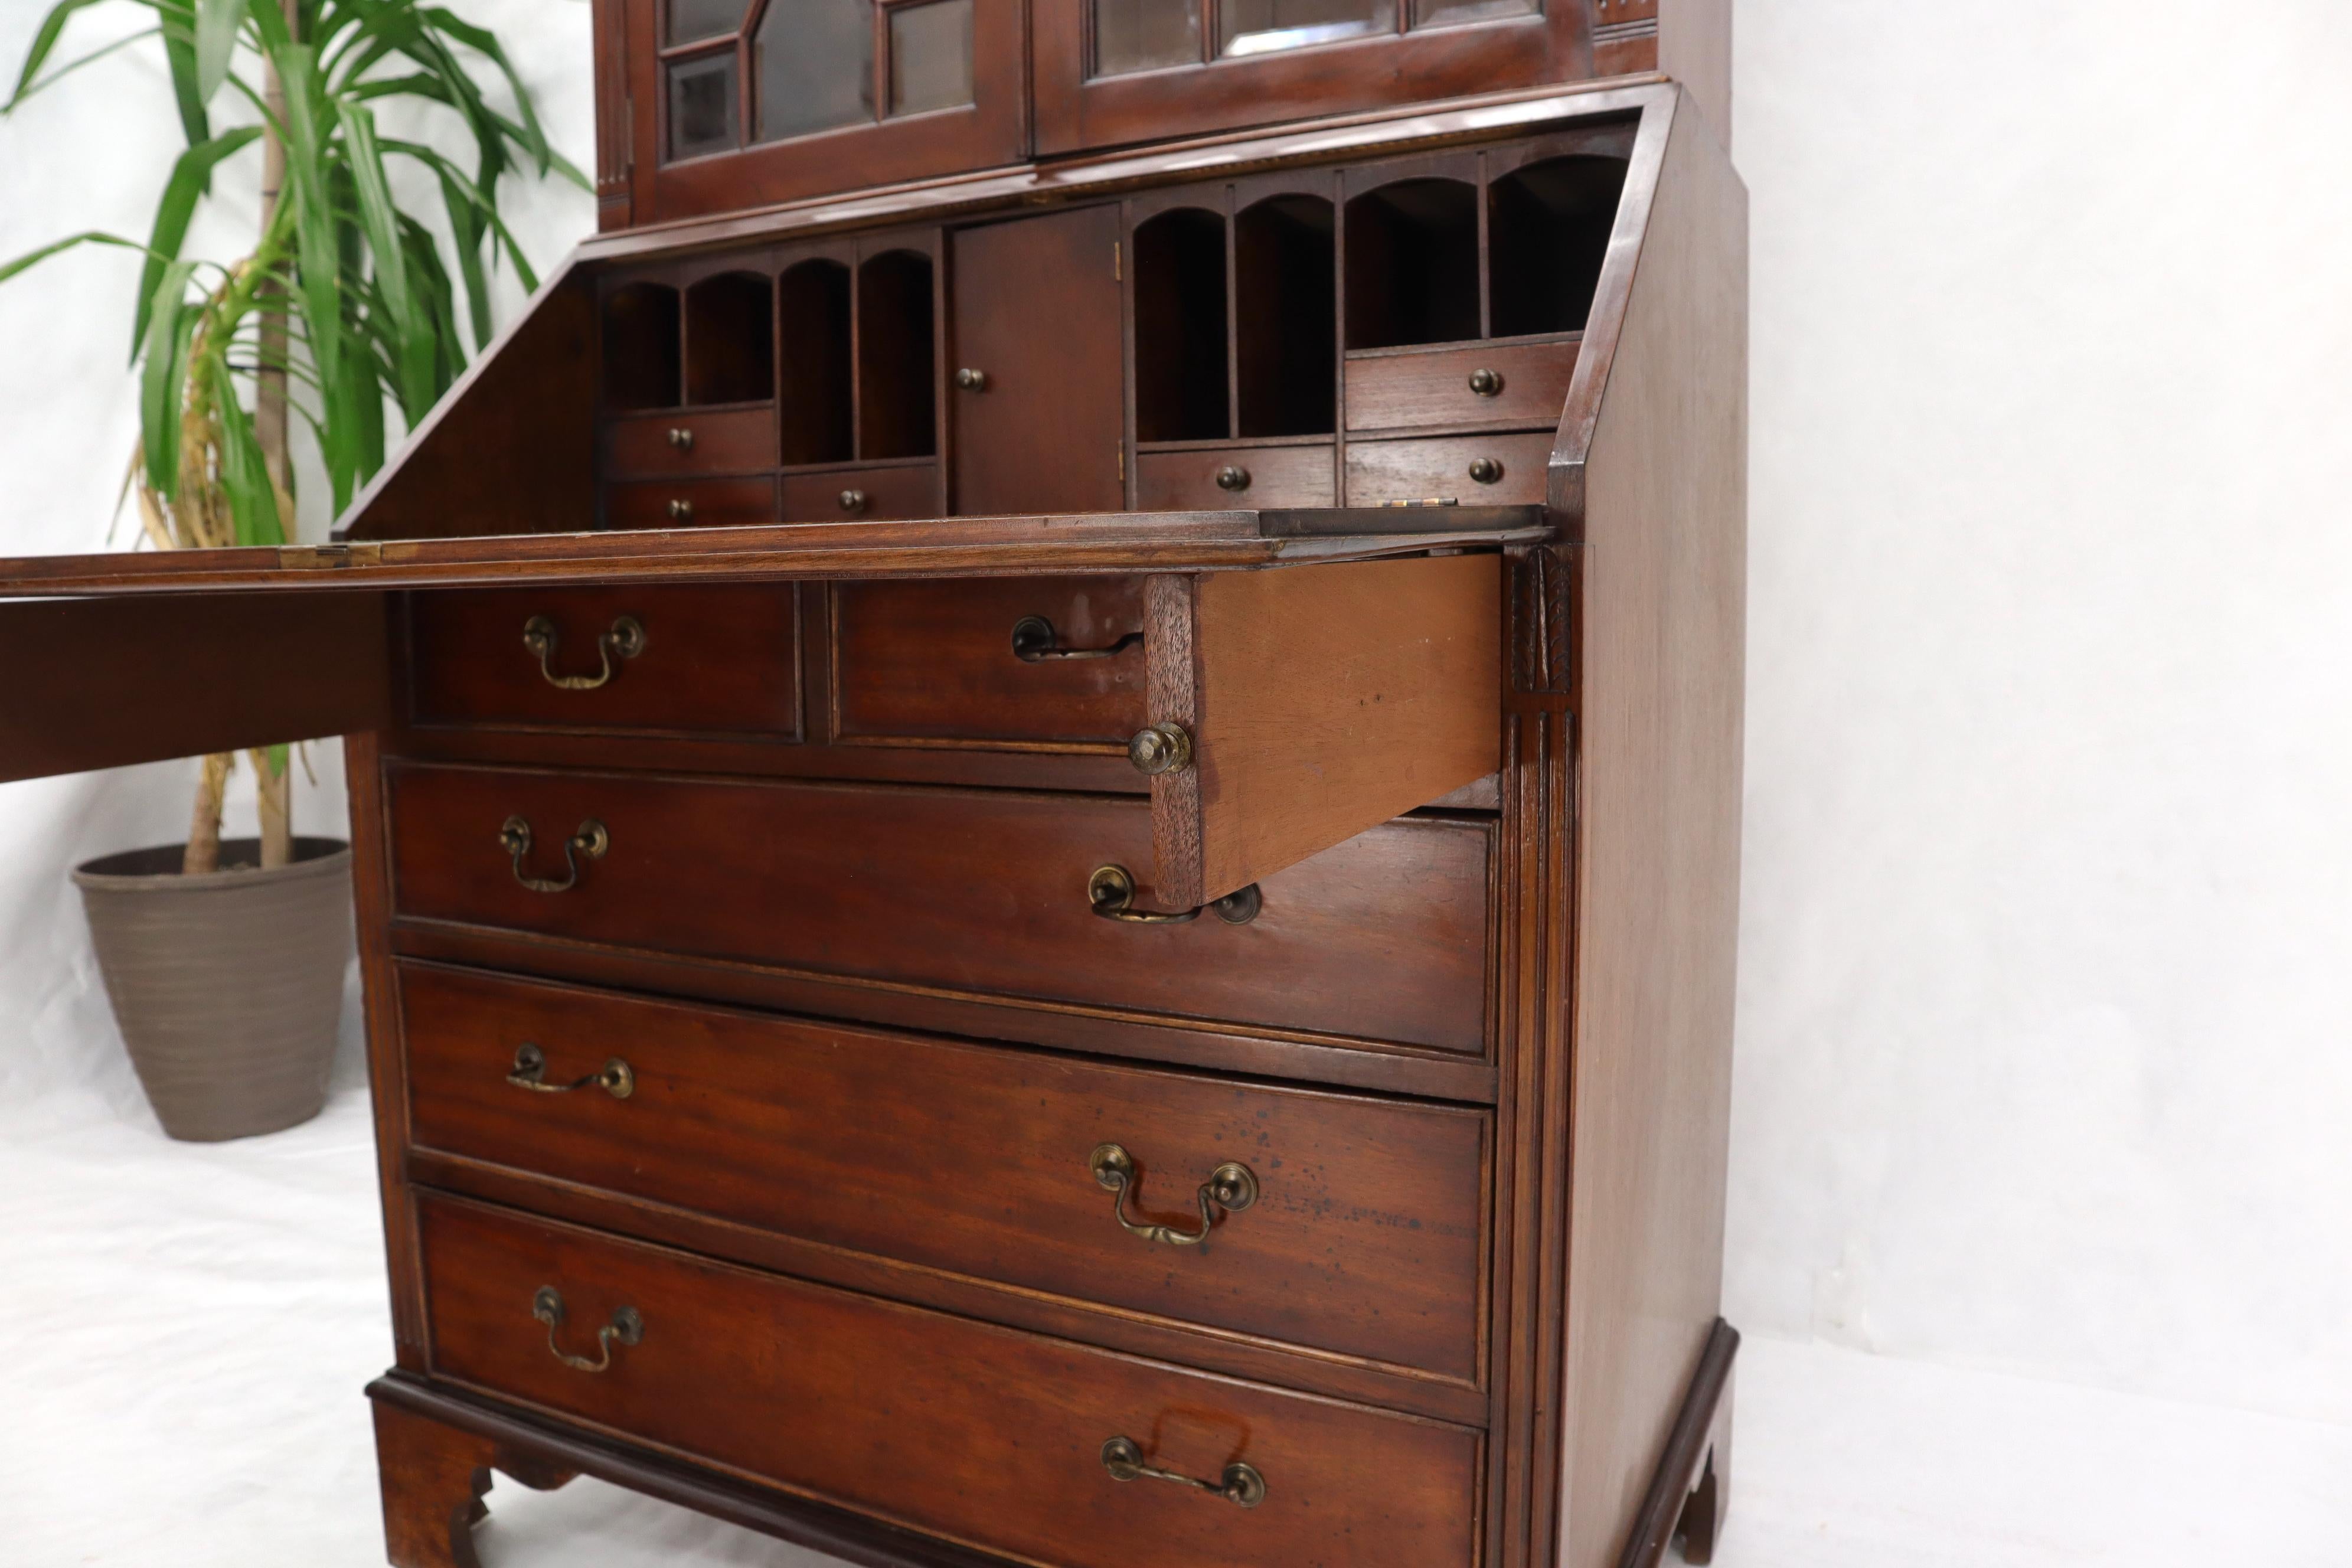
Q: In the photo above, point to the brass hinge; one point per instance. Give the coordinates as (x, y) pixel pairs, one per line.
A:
(1117, 265)
(326, 557)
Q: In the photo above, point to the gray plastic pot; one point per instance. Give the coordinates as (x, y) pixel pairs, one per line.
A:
(228, 987)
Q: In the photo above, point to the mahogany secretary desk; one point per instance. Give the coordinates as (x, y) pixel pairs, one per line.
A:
(1045, 779)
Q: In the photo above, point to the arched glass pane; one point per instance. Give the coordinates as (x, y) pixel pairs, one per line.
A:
(814, 64)
(702, 106)
(931, 57)
(691, 21)
(1145, 35)
(1266, 26)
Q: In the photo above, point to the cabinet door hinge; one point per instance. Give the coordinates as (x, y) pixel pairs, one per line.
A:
(1117, 264)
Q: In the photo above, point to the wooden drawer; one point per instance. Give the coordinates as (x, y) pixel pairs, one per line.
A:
(656, 445)
(934, 662)
(863, 495)
(1439, 468)
(706, 503)
(662, 659)
(1269, 476)
(1363, 1238)
(1396, 389)
(1383, 937)
(975, 1432)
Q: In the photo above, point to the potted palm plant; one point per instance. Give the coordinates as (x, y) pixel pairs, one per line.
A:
(224, 959)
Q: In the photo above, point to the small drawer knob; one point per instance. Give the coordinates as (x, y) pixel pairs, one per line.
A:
(853, 500)
(971, 380)
(1486, 470)
(1232, 477)
(681, 511)
(682, 438)
(1161, 748)
(1486, 382)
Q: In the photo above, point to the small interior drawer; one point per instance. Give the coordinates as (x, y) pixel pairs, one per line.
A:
(690, 503)
(724, 441)
(1475, 470)
(990, 661)
(1212, 479)
(867, 494)
(692, 660)
(944, 1424)
(1448, 387)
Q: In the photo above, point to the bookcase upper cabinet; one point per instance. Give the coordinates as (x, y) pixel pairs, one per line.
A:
(712, 106)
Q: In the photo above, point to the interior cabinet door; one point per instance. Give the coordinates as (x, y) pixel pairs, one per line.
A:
(1037, 389)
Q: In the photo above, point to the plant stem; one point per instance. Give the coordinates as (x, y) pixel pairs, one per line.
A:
(202, 853)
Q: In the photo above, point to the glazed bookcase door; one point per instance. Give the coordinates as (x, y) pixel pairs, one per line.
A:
(1114, 71)
(734, 104)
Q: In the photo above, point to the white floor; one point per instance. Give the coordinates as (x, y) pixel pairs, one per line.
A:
(184, 1333)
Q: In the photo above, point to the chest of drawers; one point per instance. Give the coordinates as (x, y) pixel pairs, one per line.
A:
(1089, 1039)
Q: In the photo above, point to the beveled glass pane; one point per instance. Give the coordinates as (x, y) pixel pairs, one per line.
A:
(1145, 35)
(1265, 26)
(702, 106)
(691, 21)
(814, 63)
(1438, 13)
(931, 57)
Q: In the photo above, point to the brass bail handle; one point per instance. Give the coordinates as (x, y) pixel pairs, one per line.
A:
(615, 1077)
(1231, 1187)
(1240, 1485)
(1111, 894)
(590, 841)
(626, 1328)
(1034, 641)
(622, 641)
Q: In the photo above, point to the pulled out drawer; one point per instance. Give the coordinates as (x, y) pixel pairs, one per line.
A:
(988, 893)
(1045, 1451)
(1509, 384)
(1338, 1222)
(648, 659)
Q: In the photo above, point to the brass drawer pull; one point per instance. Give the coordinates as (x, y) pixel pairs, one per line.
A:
(1034, 641)
(1486, 470)
(1232, 477)
(1161, 748)
(1111, 894)
(614, 1078)
(627, 1328)
(624, 640)
(681, 438)
(1232, 1186)
(681, 511)
(852, 500)
(592, 840)
(1240, 1485)
(1486, 382)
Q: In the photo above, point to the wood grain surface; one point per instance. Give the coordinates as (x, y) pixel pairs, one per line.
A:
(1365, 1240)
(978, 1434)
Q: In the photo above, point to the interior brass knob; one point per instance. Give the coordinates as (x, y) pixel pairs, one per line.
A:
(681, 511)
(971, 380)
(1161, 748)
(853, 500)
(1486, 382)
(1232, 477)
(683, 440)
(1486, 470)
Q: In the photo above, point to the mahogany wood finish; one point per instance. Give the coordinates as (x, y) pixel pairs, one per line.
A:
(1364, 1238)
(837, 913)
(1317, 704)
(1449, 468)
(1382, 936)
(937, 1421)
(935, 663)
(1403, 388)
(1036, 319)
(691, 441)
(69, 708)
(434, 1478)
(1299, 474)
(709, 661)
(872, 493)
